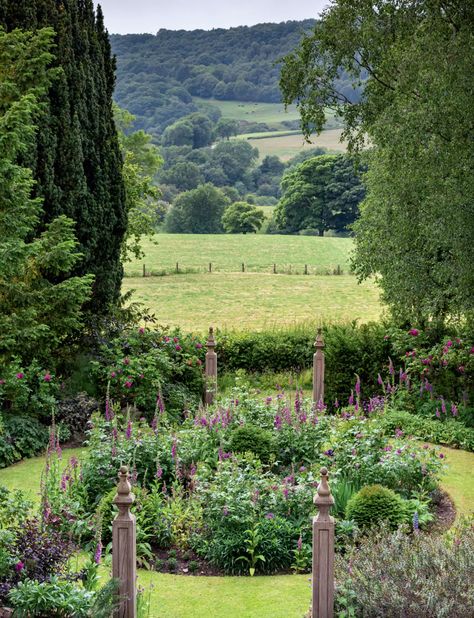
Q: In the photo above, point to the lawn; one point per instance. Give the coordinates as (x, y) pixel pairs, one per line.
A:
(227, 252)
(254, 300)
(458, 480)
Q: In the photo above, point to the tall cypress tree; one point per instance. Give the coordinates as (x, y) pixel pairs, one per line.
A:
(77, 162)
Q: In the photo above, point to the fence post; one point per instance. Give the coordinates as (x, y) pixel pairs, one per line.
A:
(318, 369)
(124, 547)
(211, 368)
(243, 267)
(177, 267)
(210, 267)
(323, 552)
(144, 270)
(274, 269)
(306, 269)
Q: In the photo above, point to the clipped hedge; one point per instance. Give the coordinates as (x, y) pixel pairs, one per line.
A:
(448, 431)
(350, 348)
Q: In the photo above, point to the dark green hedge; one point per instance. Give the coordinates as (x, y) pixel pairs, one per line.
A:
(350, 349)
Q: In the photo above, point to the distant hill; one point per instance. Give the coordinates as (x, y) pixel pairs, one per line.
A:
(158, 75)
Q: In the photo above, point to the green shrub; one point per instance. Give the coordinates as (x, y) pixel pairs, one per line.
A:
(193, 566)
(450, 432)
(375, 504)
(350, 349)
(56, 599)
(252, 439)
(395, 574)
(21, 437)
(172, 564)
(138, 364)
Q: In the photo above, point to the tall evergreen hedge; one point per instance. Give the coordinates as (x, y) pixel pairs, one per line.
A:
(76, 161)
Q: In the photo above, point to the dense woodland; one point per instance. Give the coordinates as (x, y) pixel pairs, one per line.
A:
(158, 75)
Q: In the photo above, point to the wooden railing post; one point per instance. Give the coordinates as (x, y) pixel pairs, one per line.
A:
(211, 369)
(323, 552)
(318, 369)
(124, 548)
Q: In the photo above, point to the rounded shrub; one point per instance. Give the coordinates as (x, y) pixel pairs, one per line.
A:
(252, 439)
(375, 504)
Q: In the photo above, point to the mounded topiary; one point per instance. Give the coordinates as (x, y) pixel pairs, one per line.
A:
(375, 504)
(250, 438)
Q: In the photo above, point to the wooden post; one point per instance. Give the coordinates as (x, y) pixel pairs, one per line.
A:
(144, 270)
(124, 548)
(323, 552)
(211, 369)
(318, 369)
(243, 267)
(306, 269)
(274, 269)
(210, 267)
(177, 267)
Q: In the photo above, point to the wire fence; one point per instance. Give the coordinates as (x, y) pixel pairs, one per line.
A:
(211, 267)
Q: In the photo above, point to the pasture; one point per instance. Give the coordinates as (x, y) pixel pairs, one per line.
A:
(254, 300)
(226, 252)
(286, 145)
(257, 298)
(272, 114)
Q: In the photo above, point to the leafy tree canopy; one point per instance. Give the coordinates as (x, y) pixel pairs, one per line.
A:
(76, 159)
(141, 162)
(417, 221)
(322, 193)
(240, 218)
(198, 211)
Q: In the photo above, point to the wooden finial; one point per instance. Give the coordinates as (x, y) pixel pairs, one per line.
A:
(211, 342)
(323, 499)
(124, 497)
(319, 343)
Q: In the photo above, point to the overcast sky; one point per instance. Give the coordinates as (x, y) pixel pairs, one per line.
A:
(137, 16)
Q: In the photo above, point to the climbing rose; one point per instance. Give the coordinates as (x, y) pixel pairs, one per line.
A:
(47, 377)
(414, 332)
(20, 375)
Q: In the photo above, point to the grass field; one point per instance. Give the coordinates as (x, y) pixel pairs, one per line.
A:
(287, 146)
(254, 300)
(227, 252)
(271, 113)
(281, 141)
(257, 299)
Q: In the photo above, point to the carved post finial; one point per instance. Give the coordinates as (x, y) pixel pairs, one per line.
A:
(211, 368)
(211, 342)
(124, 544)
(323, 551)
(318, 369)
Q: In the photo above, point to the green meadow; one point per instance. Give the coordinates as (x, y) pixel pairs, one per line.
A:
(286, 145)
(258, 298)
(227, 252)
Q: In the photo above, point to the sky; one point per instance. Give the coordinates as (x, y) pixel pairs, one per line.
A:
(139, 16)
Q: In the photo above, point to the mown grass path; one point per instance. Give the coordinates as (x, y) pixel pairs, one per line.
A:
(282, 596)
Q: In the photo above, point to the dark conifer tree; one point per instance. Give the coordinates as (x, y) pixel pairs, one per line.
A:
(77, 161)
